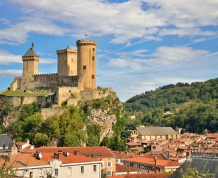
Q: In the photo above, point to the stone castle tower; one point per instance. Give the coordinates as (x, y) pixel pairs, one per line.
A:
(86, 64)
(67, 62)
(30, 62)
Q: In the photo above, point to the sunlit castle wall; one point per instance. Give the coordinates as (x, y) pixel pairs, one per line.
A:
(86, 64)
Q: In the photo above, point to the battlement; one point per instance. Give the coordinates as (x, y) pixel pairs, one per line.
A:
(41, 75)
(86, 42)
(68, 49)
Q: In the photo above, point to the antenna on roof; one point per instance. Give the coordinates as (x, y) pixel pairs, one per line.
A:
(32, 45)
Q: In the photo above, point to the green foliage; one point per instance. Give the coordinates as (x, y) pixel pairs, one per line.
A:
(93, 132)
(115, 143)
(173, 94)
(28, 110)
(40, 139)
(194, 106)
(194, 173)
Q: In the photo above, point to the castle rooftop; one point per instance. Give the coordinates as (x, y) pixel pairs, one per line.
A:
(30, 52)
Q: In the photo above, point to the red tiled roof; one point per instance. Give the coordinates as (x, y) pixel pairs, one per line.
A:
(20, 143)
(122, 168)
(160, 162)
(97, 151)
(23, 160)
(123, 155)
(133, 144)
(71, 158)
(148, 175)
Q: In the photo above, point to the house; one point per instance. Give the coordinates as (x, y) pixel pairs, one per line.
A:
(101, 153)
(155, 133)
(58, 165)
(120, 156)
(7, 146)
(152, 164)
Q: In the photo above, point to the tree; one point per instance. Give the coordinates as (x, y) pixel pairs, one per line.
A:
(194, 173)
(41, 139)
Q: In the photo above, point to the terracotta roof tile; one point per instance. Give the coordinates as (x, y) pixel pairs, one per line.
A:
(148, 175)
(122, 168)
(98, 151)
(160, 162)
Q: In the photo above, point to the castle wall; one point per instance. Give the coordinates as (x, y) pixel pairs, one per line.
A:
(95, 94)
(63, 93)
(48, 112)
(17, 100)
(15, 84)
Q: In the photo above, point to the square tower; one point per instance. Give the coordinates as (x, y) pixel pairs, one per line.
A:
(67, 62)
(30, 62)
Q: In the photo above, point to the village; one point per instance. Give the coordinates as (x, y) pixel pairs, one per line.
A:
(152, 152)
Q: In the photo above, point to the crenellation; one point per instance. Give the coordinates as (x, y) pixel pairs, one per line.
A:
(52, 74)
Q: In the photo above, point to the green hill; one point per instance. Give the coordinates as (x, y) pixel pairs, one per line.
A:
(193, 107)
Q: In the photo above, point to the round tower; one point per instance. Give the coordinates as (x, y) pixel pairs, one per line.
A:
(30, 62)
(86, 64)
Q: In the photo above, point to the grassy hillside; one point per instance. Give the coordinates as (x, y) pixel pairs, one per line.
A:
(194, 106)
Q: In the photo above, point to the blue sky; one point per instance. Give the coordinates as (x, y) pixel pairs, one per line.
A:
(142, 44)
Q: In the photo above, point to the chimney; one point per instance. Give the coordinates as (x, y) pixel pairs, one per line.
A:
(56, 156)
(113, 173)
(155, 164)
(65, 153)
(38, 155)
(76, 153)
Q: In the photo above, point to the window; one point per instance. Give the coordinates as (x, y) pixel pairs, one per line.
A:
(93, 49)
(84, 67)
(109, 173)
(69, 171)
(82, 169)
(93, 76)
(94, 168)
(56, 172)
(109, 164)
(93, 58)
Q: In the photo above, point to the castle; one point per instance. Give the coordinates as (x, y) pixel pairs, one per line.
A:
(75, 78)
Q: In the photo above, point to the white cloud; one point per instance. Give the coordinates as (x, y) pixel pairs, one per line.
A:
(18, 33)
(125, 21)
(7, 58)
(10, 73)
(168, 55)
(47, 61)
(186, 32)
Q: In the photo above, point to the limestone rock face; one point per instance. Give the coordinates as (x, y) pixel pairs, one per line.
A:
(101, 117)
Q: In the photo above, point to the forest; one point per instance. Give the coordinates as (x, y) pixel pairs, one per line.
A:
(193, 107)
